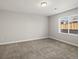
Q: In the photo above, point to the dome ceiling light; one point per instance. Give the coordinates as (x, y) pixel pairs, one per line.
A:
(43, 4)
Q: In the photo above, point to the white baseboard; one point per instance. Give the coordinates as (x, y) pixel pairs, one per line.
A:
(64, 41)
(37, 39)
(23, 40)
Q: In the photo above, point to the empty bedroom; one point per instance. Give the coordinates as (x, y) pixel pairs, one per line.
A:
(38, 29)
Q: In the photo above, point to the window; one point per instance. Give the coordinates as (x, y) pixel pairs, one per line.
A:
(68, 24)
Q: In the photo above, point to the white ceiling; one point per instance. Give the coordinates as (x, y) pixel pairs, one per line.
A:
(34, 7)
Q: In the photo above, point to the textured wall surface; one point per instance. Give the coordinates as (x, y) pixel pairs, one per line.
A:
(18, 27)
(53, 28)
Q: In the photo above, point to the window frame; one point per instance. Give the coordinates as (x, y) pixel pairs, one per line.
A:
(59, 21)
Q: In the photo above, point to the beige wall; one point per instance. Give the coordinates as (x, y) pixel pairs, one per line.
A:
(53, 28)
(22, 27)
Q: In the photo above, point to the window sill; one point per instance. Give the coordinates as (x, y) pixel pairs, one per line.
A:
(69, 34)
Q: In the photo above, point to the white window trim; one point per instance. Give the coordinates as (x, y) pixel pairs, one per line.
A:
(68, 26)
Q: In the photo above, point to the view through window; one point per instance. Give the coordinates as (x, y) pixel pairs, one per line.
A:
(68, 24)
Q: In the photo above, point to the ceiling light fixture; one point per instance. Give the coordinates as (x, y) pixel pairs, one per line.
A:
(43, 4)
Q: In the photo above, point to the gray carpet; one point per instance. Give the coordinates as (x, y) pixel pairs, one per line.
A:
(38, 49)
